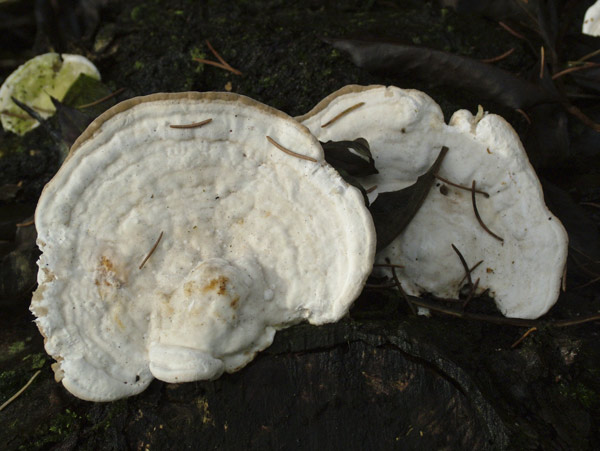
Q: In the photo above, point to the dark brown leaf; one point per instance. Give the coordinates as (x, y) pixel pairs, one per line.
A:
(393, 211)
(354, 157)
(438, 67)
(72, 121)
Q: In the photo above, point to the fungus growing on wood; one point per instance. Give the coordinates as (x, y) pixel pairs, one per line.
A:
(522, 245)
(35, 82)
(176, 253)
(591, 20)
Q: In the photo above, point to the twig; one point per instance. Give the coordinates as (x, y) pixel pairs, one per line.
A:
(475, 316)
(587, 284)
(523, 337)
(471, 270)
(575, 322)
(583, 254)
(591, 204)
(217, 55)
(288, 151)
(380, 285)
(26, 223)
(511, 31)
(17, 394)
(464, 264)
(402, 292)
(574, 69)
(583, 266)
(588, 56)
(194, 125)
(214, 63)
(450, 300)
(479, 217)
(387, 265)
(343, 113)
(524, 114)
(495, 59)
(103, 99)
(542, 61)
(151, 250)
(370, 190)
(456, 185)
(501, 320)
(222, 64)
(582, 116)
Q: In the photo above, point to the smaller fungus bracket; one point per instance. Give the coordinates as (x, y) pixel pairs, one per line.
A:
(504, 222)
(180, 257)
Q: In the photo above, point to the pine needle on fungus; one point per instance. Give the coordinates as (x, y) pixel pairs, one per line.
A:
(342, 114)
(481, 223)
(193, 125)
(456, 185)
(288, 151)
(152, 250)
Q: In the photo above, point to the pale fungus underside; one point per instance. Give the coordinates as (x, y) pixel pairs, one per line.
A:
(177, 253)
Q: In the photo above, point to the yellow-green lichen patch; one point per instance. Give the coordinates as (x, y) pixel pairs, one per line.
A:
(35, 82)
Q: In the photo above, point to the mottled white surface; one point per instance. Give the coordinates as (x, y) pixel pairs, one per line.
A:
(254, 240)
(34, 82)
(406, 130)
(591, 20)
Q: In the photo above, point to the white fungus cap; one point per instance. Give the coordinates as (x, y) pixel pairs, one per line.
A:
(591, 20)
(406, 130)
(33, 83)
(246, 240)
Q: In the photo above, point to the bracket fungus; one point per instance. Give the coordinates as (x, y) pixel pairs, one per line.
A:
(35, 82)
(591, 20)
(524, 248)
(177, 238)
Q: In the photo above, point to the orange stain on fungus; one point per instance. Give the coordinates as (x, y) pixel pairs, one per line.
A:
(219, 285)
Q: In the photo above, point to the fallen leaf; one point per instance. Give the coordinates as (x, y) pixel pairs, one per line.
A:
(393, 211)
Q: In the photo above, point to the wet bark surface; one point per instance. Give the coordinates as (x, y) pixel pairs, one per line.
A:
(381, 378)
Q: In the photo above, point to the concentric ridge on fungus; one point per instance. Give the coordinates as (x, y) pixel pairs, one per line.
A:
(177, 253)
